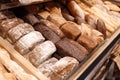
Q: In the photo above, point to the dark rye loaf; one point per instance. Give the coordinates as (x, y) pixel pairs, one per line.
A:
(66, 48)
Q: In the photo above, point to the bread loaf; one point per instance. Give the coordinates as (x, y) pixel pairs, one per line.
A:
(56, 19)
(20, 30)
(63, 67)
(90, 21)
(101, 27)
(41, 52)
(66, 48)
(53, 7)
(27, 42)
(71, 30)
(46, 66)
(87, 42)
(80, 47)
(67, 15)
(7, 24)
(53, 27)
(47, 33)
(75, 9)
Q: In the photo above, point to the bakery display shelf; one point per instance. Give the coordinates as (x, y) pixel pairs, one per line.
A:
(98, 56)
(25, 64)
(16, 4)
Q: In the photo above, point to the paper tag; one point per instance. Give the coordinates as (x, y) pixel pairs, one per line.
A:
(117, 61)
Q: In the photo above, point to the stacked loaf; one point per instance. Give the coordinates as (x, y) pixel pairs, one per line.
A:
(32, 45)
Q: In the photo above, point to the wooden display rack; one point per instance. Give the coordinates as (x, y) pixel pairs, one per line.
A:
(78, 73)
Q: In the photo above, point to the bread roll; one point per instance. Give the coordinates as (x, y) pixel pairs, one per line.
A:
(101, 27)
(56, 19)
(63, 67)
(87, 42)
(71, 30)
(90, 21)
(66, 48)
(27, 42)
(41, 52)
(20, 30)
(46, 66)
(47, 33)
(7, 24)
(53, 27)
(75, 9)
(13, 67)
(66, 15)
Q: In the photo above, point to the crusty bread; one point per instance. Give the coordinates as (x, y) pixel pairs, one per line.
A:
(66, 48)
(63, 67)
(41, 52)
(71, 30)
(7, 24)
(28, 41)
(47, 33)
(87, 42)
(46, 66)
(56, 19)
(20, 30)
(53, 27)
(75, 9)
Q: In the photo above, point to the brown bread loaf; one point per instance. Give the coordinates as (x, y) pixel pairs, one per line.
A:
(66, 48)
(101, 27)
(75, 9)
(28, 41)
(53, 27)
(20, 30)
(47, 33)
(71, 30)
(87, 42)
(41, 52)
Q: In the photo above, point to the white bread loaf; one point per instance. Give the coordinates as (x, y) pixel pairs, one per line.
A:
(27, 42)
(64, 66)
(7, 24)
(42, 52)
(15, 33)
(45, 67)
